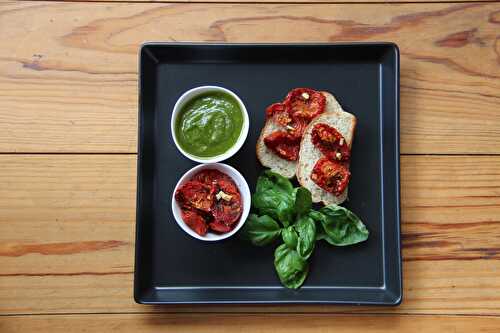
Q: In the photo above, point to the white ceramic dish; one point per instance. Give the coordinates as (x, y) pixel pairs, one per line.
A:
(189, 95)
(240, 183)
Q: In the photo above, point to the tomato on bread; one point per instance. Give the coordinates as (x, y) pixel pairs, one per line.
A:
(292, 116)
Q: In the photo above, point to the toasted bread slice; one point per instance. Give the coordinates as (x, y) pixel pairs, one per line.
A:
(343, 122)
(277, 164)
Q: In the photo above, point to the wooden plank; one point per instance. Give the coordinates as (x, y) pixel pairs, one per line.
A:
(67, 237)
(282, 1)
(68, 70)
(248, 323)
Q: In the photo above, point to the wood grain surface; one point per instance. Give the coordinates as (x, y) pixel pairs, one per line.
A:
(194, 323)
(280, 1)
(68, 71)
(67, 237)
(68, 87)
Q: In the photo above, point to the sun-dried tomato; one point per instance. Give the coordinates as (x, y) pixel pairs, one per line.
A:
(283, 144)
(305, 103)
(227, 207)
(331, 143)
(332, 176)
(195, 221)
(210, 199)
(194, 194)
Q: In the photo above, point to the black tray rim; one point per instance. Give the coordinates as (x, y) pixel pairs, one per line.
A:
(395, 299)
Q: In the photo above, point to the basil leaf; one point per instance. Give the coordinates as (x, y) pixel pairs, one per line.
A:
(274, 197)
(341, 226)
(318, 217)
(269, 179)
(306, 229)
(285, 213)
(303, 201)
(261, 230)
(320, 233)
(291, 268)
(290, 237)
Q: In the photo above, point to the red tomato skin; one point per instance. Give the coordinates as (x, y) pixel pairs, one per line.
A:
(331, 176)
(283, 144)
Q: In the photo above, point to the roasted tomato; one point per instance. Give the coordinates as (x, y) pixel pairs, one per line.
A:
(275, 109)
(195, 221)
(210, 199)
(305, 103)
(279, 114)
(332, 176)
(194, 194)
(331, 143)
(283, 144)
(226, 185)
(227, 207)
(297, 127)
(209, 176)
(220, 227)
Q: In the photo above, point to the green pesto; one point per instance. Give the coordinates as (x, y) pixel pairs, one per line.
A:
(209, 124)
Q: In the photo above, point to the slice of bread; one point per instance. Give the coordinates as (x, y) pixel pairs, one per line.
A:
(343, 122)
(277, 164)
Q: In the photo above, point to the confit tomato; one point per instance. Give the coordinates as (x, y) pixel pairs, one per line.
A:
(220, 227)
(330, 142)
(227, 206)
(297, 127)
(209, 176)
(283, 144)
(194, 194)
(332, 176)
(305, 103)
(301, 105)
(195, 221)
(278, 112)
(210, 200)
(282, 116)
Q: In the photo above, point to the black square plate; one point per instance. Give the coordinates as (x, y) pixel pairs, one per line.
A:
(172, 267)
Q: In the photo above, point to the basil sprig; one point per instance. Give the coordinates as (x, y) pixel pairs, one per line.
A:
(279, 209)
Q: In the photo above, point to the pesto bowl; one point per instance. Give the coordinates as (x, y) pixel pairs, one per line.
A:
(192, 95)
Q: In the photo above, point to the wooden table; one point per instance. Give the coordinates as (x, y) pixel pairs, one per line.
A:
(68, 118)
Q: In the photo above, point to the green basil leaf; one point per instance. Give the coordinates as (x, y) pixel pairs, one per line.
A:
(283, 183)
(261, 230)
(306, 230)
(272, 180)
(320, 233)
(291, 268)
(303, 201)
(290, 237)
(274, 197)
(341, 226)
(318, 217)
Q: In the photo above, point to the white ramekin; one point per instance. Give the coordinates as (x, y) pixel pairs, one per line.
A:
(189, 95)
(240, 182)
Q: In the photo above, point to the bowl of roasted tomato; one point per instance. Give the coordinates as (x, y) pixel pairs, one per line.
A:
(211, 201)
